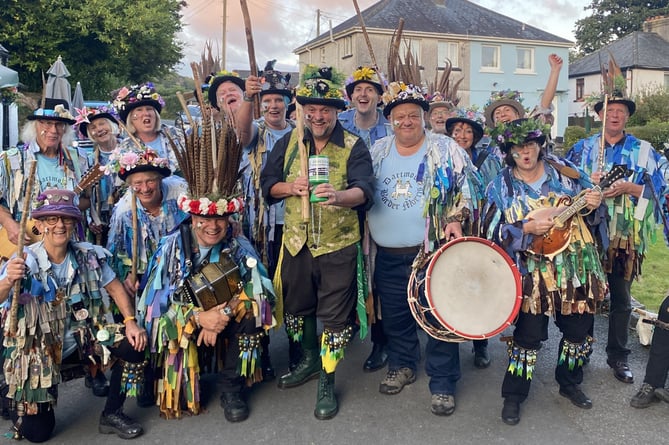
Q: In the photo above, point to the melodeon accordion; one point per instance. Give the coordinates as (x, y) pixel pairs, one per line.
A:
(214, 283)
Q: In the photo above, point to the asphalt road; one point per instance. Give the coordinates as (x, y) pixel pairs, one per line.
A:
(368, 417)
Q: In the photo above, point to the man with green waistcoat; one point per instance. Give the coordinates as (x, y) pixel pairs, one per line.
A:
(320, 262)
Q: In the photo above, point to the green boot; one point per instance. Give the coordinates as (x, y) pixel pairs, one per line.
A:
(310, 363)
(326, 402)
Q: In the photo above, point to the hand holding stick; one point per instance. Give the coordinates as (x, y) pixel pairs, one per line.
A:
(302, 150)
(14, 309)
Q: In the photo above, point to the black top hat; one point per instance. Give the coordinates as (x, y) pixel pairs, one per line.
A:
(54, 110)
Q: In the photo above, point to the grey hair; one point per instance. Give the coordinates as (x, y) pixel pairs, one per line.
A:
(115, 130)
(29, 133)
(131, 128)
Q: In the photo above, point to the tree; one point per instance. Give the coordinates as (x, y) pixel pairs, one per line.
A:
(613, 19)
(104, 43)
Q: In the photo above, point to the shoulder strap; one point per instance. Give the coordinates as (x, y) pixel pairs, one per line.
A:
(481, 158)
(184, 230)
(563, 169)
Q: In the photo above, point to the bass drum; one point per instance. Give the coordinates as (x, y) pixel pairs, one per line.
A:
(470, 290)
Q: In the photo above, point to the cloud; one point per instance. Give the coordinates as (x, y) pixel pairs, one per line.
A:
(281, 26)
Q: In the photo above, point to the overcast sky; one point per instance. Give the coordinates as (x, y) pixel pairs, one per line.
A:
(281, 26)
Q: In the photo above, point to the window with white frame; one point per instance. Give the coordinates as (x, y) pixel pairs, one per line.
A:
(450, 51)
(524, 59)
(347, 46)
(323, 55)
(580, 88)
(413, 46)
(490, 60)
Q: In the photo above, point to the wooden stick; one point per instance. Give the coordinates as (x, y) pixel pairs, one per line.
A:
(367, 40)
(602, 141)
(132, 137)
(302, 151)
(184, 106)
(135, 237)
(253, 67)
(14, 309)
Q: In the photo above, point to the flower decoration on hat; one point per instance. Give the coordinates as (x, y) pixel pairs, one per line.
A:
(128, 161)
(520, 132)
(223, 73)
(511, 98)
(87, 115)
(471, 116)
(504, 95)
(472, 113)
(274, 82)
(320, 83)
(129, 98)
(209, 161)
(366, 74)
(399, 93)
(56, 202)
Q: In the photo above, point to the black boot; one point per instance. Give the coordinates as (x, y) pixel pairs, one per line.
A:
(234, 407)
(310, 363)
(120, 424)
(98, 384)
(326, 401)
(377, 358)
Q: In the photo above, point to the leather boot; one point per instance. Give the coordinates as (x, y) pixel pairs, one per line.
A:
(310, 363)
(307, 369)
(326, 401)
(377, 358)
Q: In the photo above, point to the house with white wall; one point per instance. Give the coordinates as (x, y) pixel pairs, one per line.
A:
(643, 57)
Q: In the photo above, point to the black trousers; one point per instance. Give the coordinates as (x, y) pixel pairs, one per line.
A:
(658, 359)
(324, 286)
(530, 331)
(619, 314)
(125, 352)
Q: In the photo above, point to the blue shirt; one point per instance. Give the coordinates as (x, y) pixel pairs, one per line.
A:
(378, 131)
(396, 218)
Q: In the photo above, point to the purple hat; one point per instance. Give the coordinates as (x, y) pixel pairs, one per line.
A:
(56, 202)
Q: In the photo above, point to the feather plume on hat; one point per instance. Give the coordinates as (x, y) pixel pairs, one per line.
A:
(613, 86)
(210, 164)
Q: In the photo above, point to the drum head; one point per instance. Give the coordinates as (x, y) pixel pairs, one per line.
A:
(473, 287)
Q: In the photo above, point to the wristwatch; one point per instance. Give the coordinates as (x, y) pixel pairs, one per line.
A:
(227, 311)
(246, 98)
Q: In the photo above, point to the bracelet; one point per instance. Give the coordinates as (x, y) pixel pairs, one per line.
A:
(247, 98)
(196, 315)
(128, 318)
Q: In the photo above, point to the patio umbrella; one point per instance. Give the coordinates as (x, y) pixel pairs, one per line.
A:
(57, 85)
(77, 99)
(8, 77)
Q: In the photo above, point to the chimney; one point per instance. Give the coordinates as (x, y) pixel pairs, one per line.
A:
(658, 25)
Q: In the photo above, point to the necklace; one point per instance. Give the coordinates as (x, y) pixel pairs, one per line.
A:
(316, 239)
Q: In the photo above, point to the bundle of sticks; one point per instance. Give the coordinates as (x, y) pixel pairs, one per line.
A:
(212, 152)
